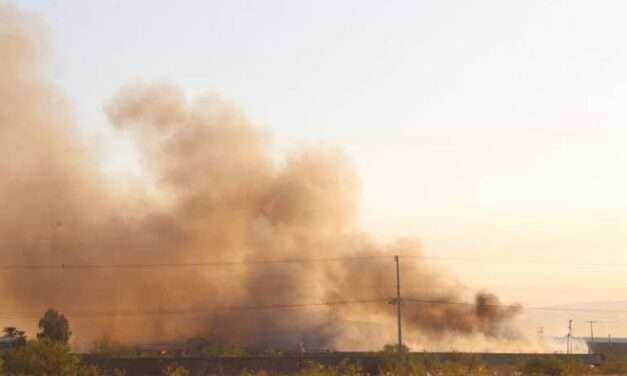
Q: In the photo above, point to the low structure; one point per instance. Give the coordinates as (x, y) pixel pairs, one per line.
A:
(7, 343)
(607, 346)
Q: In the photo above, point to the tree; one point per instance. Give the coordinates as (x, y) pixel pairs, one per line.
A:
(54, 326)
(42, 358)
(18, 336)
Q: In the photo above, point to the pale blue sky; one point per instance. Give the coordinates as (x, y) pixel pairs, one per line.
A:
(485, 128)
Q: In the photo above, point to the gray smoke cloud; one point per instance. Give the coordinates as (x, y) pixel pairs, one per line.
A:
(221, 197)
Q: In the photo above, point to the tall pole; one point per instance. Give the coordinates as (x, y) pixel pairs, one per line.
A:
(591, 335)
(398, 310)
(570, 333)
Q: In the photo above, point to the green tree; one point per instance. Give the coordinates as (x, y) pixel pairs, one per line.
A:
(42, 358)
(54, 326)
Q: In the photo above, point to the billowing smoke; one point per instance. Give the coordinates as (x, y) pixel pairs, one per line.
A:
(219, 196)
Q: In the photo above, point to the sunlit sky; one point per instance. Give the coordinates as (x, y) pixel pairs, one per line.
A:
(488, 129)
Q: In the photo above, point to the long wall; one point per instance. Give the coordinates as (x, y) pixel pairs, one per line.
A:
(371, 362)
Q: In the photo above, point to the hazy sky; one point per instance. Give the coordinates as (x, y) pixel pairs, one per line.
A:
(491, 129)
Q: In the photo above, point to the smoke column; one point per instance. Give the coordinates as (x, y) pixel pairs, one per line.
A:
(220, 196)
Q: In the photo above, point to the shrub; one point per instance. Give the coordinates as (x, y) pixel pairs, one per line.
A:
(542, 365)
(44, 357)
(614, 365)
(178, 371)
(345, 368)
(89, 370)
(390, 357)
(272, 353)
(349, 368)
(552, 366)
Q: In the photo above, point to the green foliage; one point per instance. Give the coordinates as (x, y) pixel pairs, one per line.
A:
(345, 368)
(349, 368)
(413, 364)
(464, 364)
(614, 365)
(272, 353)
(247, 372)
(108, 349)
(551, 365)
(54, 326)
(177, 371)
(89, 370)
(45, 357)
(390, 356)
(423, 363)
(542, 365)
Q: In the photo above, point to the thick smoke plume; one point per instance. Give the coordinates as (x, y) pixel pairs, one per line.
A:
(220, 196)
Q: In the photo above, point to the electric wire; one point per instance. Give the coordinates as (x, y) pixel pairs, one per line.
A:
(185, 311)
(193, 264)
(69, 266)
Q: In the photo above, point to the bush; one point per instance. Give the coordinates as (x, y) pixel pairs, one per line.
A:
(614, 365)
(413, 364)
(41, 358)
(178, 371)
(552, 366)
(272, 353)
(90, 370)
(345, 368)
(390, 357)
(542, 365)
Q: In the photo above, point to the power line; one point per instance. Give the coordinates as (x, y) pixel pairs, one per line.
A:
(514, 261)
(192, 264)
(243, 285)
(105, 313)
(301, 260)
(557, 309)
(63, 289)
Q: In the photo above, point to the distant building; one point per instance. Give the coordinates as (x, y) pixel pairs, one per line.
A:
(7, 343)
(607, 346)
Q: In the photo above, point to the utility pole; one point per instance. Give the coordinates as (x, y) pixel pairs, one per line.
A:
(398, 310)
(568, 338)
(540, 332)
(591, 335)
